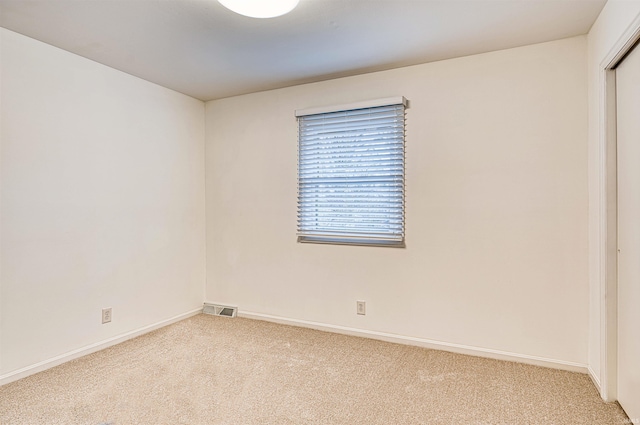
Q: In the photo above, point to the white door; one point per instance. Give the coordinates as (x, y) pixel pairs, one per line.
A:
(628, 113)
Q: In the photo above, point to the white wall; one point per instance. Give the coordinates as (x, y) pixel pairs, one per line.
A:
(496, 255)
(102, 203)
(613, 22)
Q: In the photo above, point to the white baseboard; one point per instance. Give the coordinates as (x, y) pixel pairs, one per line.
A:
(63, 358)
(595, 378)
(399, 339)
(422, 342)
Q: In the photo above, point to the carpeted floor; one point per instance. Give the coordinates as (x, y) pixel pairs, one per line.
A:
(212, 370)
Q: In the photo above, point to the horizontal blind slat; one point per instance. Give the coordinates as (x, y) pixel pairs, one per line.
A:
(361, 120)
(340, 236)
(327, 160)
(374, 212)
(363, 169)
(337, 159)
(359, 179)
(357, 198)
(391, 141)
(388, 131)
(345, 129)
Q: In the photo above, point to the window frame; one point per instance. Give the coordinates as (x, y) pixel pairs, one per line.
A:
(365, 240)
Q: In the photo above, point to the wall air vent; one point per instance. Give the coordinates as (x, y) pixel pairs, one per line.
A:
(220, 310)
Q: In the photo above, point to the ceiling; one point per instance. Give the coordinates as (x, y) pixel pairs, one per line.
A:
(200, 48)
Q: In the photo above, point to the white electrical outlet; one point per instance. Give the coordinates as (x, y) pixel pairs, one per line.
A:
(106, 315)
(361, 307)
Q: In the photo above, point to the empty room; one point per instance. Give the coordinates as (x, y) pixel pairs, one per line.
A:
(319, 211)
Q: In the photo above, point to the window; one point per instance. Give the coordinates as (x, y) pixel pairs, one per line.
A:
(351, 174)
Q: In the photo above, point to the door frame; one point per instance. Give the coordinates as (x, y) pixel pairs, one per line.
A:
(608, 207)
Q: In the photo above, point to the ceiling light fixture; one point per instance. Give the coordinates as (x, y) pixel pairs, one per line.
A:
(260, 8)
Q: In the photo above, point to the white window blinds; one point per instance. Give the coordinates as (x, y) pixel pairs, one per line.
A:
(351, 175)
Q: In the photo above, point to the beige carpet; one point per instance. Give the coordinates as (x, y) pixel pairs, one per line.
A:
(211, 370)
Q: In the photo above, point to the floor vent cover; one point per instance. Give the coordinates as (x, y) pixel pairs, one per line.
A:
(220, 310)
